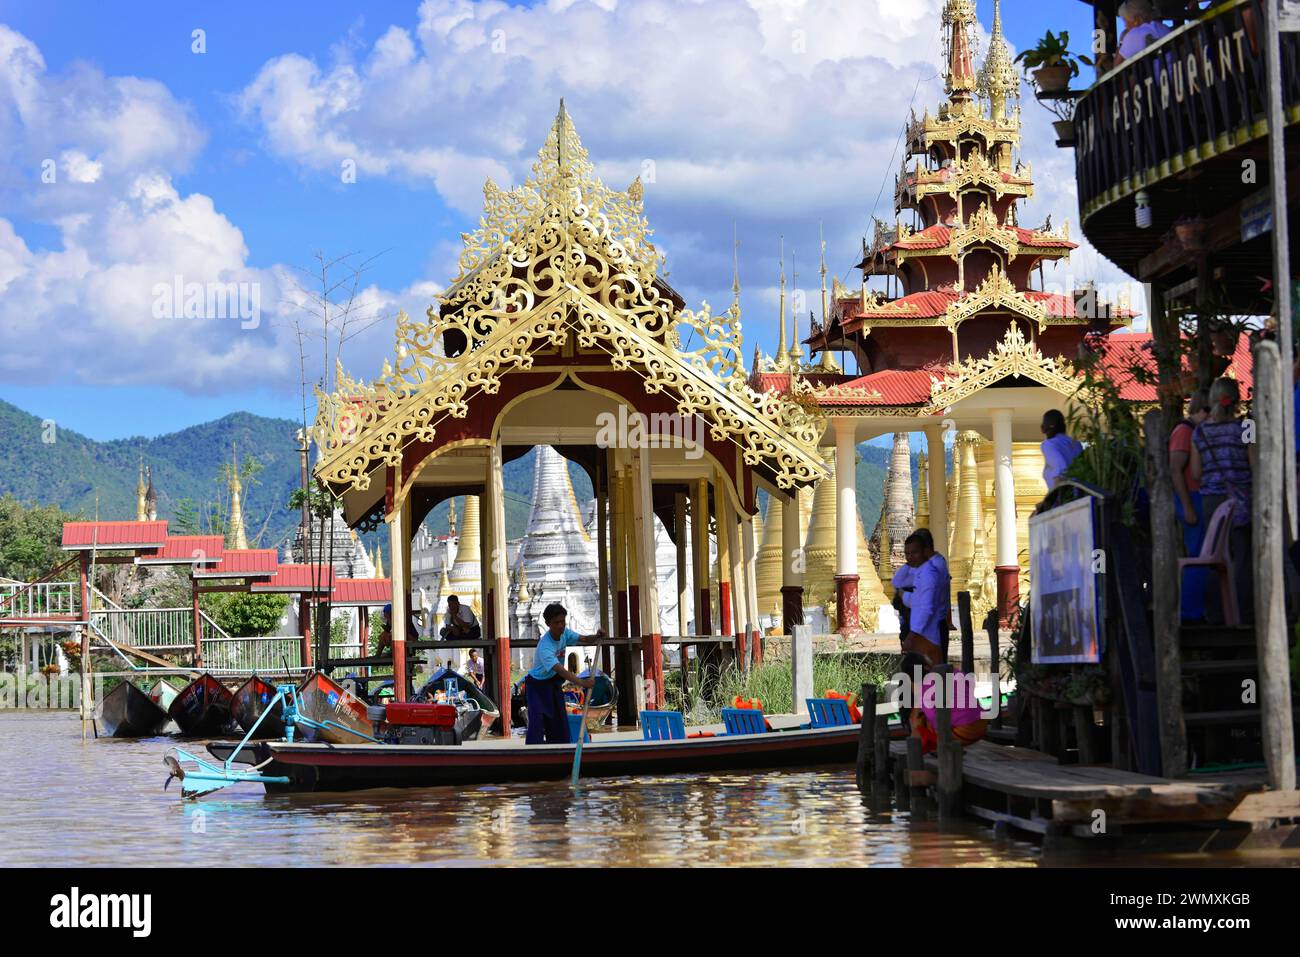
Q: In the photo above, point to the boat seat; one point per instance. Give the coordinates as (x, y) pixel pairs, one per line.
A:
(662, 726)
(743, 721)
(829, 712)
(575, 724)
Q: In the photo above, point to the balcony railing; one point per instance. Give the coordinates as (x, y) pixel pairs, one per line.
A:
(1198, 92)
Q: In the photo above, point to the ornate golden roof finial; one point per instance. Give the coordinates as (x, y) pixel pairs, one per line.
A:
(735, 270)
(998, 78)
(561, 121)
(795, 353)
(821, 237)
(958, 53)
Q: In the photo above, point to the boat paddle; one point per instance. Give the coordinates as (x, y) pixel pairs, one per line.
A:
(582, 726)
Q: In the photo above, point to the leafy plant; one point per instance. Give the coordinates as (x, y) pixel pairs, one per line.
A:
(248, 616)
(1052, 50)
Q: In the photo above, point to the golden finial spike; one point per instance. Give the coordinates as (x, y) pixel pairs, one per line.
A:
(735, 268)
(781, 347)
(821, 238)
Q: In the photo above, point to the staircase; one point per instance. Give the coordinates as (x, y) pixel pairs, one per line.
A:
(1217, 661)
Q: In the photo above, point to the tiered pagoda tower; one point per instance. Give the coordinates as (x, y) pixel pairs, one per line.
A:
(952, 331)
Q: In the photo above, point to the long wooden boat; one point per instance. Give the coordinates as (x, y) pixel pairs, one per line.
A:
(252, 698)
(163, 693)
(128, 712)
(322, 699)
(203, 708)
(350, 767)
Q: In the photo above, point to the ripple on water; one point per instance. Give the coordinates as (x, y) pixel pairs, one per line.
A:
(102, 802)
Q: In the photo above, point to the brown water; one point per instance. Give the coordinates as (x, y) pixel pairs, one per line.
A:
(68, 803)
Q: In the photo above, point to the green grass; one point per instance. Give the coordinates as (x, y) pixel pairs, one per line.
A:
(771, 684)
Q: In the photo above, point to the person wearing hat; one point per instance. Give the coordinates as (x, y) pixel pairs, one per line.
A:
(548, 723)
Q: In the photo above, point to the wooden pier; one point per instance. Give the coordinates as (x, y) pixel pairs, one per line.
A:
(1030, 792)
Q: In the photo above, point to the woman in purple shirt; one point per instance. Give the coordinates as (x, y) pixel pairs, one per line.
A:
(1059, 449)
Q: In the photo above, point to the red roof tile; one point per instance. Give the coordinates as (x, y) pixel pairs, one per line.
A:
(362, 591)
(896, 387)
(242, 563)
(298, 578)
(81, 536)
(185, 550)
(1127, 352)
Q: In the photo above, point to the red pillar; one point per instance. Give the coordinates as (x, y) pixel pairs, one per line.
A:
(724, 608)
(503, 682)
(846, 604)
(1008, 577)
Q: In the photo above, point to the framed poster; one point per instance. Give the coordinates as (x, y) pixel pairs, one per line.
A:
(1066, 620)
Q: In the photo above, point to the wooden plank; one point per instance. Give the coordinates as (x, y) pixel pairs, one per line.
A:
(1267, 806)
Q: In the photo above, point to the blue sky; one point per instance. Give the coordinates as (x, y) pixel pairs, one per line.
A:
(225, 165)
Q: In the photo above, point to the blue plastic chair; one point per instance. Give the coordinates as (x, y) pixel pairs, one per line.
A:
(829, 712)
(575, 724)
(662, 726)
(743, 721)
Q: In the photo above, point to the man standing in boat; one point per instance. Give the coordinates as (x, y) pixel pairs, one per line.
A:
(548, 723)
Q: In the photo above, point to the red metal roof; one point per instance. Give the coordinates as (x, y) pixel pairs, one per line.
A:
(896, 387)
(1127, 352)
(242, 563)
(362, 591)
(185, 550)
(298, 578)
(82, 536)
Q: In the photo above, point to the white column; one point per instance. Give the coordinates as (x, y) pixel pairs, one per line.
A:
(683, 576)
(846, 493)
(1004, 489)
(750, 548)
(938, 477)
(791, 541)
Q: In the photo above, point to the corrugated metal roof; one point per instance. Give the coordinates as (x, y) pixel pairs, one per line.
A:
(298, 578)
(185, 550)
(362, 591)
(242, 563)
(81, 536)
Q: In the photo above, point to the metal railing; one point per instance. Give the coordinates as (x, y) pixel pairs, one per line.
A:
(267, 655)
(155, 629)
(19, 601)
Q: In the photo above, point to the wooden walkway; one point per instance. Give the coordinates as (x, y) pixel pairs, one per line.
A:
(1032, 792)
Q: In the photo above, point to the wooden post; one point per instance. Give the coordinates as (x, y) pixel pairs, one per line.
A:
(196, 620)
(967, 632)
(1268, 539)
(915, 765)
(902, 792)
(87, 706)
(801, 662)
(1165, 602)
(949, 749)
(683, 592)
(881, 738)
(304, 627)
(866, 736)
(995, 664)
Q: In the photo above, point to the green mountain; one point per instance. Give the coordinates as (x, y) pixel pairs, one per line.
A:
(80, 474)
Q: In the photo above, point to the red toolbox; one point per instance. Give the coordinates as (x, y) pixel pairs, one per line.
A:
(420, 715)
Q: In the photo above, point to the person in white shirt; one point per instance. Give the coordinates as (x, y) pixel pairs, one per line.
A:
(459, 624)
(474, 665)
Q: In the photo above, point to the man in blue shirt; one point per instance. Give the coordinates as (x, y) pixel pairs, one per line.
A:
(548, 723)
(1059, 448)
(928, 603)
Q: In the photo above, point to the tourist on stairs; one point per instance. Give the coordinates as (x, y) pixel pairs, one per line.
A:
(548, 723)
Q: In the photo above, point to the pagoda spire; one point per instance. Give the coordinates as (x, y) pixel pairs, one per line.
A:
(235, 530)
(795, 353)
(998, 79)
(782, 360)
(735, 270)
(379, 562)
(959, 58)
(150, 498)
(141, 507)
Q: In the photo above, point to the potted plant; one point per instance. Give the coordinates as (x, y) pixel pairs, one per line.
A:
(1051, 63)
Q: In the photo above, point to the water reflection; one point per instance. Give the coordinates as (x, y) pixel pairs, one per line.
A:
(102, 802)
